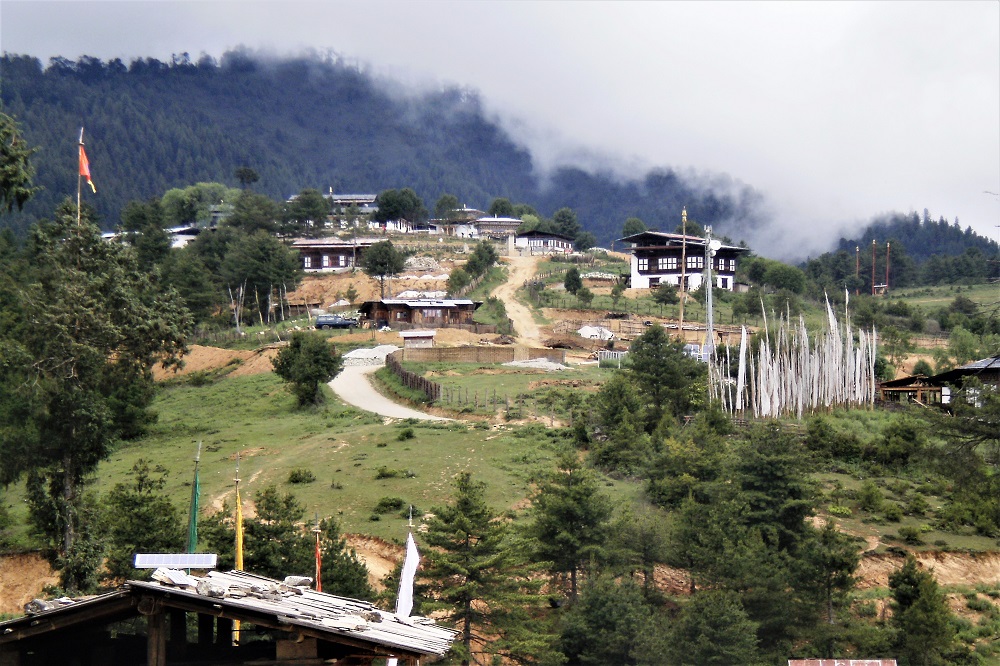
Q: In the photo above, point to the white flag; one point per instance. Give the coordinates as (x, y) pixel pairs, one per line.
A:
(404, 601)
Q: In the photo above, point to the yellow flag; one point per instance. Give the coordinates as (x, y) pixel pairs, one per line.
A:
(237, 625)
(239, 531)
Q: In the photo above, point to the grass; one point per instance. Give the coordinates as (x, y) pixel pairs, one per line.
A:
(539, 393)
(344, 448)
(933, 298)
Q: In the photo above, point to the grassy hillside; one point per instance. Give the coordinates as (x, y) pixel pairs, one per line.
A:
(356, 459)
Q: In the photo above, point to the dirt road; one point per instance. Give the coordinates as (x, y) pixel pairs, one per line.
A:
(353, 387)
(520, 269)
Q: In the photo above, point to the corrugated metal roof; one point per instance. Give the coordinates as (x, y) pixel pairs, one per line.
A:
(252, 598)
(305, 607)
(982, 364)
(427, 302)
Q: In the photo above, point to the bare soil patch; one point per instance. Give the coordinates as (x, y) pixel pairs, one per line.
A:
(22, 578)
(379, 555)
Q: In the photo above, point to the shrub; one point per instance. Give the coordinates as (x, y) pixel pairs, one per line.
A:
(910, 535)
(405, 434)
(978, 604)
(301, 475)
(917, 506)
(387, 504)
(892, 512)
(840, 510)
(870, 497)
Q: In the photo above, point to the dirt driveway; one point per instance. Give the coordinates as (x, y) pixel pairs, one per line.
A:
(353, 387)
(520, 270)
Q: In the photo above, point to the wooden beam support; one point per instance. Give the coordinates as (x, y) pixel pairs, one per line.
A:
(156, 640)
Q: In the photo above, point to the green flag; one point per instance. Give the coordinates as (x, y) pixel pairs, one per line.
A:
(193, 516)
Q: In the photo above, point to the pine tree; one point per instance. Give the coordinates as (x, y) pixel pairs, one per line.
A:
(570, 519)
(477, 575)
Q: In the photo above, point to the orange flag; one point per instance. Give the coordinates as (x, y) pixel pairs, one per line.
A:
(85, 168)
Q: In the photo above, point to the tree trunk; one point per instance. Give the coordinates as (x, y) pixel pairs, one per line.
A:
(467, 634)
(68, 493)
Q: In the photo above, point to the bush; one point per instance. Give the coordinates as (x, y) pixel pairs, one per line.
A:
(301, 475)
(405, 434)
(839, 510)
(910, 535)
(892, 512)
(388, 504)
(917, 506)
(978, 604)
(870, 497)
(384, 472)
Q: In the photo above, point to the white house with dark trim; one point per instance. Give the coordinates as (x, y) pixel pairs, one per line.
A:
(544, 242)
(656, 260)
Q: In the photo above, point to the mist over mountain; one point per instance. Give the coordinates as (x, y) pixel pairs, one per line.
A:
(319, 121)
(310, 122)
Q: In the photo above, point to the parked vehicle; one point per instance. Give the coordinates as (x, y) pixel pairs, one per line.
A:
(334, 321)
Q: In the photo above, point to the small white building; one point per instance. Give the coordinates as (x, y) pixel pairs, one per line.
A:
(417, 339)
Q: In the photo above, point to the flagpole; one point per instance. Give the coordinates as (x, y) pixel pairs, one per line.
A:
(239, 543)
(319, 557)
(79, 178)
(193, 514)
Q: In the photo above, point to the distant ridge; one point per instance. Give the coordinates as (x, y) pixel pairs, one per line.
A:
(309, 122)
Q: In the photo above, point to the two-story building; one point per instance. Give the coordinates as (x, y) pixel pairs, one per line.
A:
(657, 258)
(328, 254)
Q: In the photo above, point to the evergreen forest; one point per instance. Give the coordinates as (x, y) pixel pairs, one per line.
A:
(309, 122)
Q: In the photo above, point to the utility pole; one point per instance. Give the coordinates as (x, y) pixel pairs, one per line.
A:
(873, 267)
(682, 285)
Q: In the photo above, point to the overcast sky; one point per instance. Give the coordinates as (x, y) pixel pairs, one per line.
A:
(835, 111)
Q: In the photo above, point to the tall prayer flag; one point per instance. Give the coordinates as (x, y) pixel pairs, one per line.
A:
(239, 529)
(237, 625)
(404, 601)
(319, 559)
(193, 515)
(85, 167)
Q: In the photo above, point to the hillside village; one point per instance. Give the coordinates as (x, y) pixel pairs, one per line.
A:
(670, 450)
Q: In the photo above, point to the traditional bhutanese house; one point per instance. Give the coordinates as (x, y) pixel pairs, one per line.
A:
(544, 242)
(986, 370)
(365, 203)
(497, 227)
(417, 338)
(146, 622)
(327, 254)
(915, 389)
(431, 313)
(656, 260)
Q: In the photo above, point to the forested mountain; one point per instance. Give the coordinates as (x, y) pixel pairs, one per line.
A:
(921, 251)
(308, 122)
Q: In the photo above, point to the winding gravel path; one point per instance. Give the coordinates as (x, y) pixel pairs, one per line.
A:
(353, 387)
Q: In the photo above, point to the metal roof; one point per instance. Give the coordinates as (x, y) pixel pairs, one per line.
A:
(426, 302)
(670, 240)
(306, 608)
(251, 598)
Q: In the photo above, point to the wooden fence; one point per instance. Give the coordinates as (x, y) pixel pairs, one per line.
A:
(412, 380)
(481, 354)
